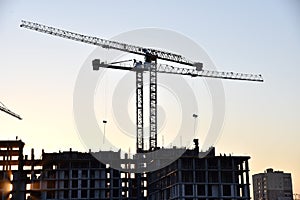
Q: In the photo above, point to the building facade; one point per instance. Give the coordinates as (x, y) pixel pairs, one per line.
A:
(11, 169)
(194, 177)
(76, 175)
(272, 185)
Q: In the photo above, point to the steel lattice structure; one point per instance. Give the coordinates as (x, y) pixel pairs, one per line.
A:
(194, 69)
(163, 55)
(6, 110)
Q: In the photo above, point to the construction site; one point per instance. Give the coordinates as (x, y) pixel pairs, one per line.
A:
(79, 175)
(195, 174)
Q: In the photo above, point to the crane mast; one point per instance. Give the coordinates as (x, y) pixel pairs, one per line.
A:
(139, 111)
(194, 69)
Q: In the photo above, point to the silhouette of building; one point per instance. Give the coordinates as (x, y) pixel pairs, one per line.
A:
(272, 185)
(208, 177)
(77, 175)
(11, 169)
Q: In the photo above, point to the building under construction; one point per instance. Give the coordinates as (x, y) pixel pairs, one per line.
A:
(77, 175)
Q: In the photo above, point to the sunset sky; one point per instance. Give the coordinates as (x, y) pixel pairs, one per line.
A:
(39, 71)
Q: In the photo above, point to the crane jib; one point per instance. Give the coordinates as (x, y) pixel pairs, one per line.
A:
(108, 44)
(10, 112)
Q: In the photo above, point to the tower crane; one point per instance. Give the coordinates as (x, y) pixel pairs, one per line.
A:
(151, 56)
(6, 110)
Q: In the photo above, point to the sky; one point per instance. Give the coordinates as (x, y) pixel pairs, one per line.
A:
(39, 71)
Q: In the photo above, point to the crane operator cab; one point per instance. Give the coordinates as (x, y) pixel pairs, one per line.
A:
(138, 65)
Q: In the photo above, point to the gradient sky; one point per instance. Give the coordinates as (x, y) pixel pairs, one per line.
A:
(38, 71)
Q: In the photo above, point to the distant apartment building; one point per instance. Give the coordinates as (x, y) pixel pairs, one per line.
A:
(76, 175)
(272, 185)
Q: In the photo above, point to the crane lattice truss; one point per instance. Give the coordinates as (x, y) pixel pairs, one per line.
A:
(6, 110)
(194, 69)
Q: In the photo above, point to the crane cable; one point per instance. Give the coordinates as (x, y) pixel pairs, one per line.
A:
(105, 80)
